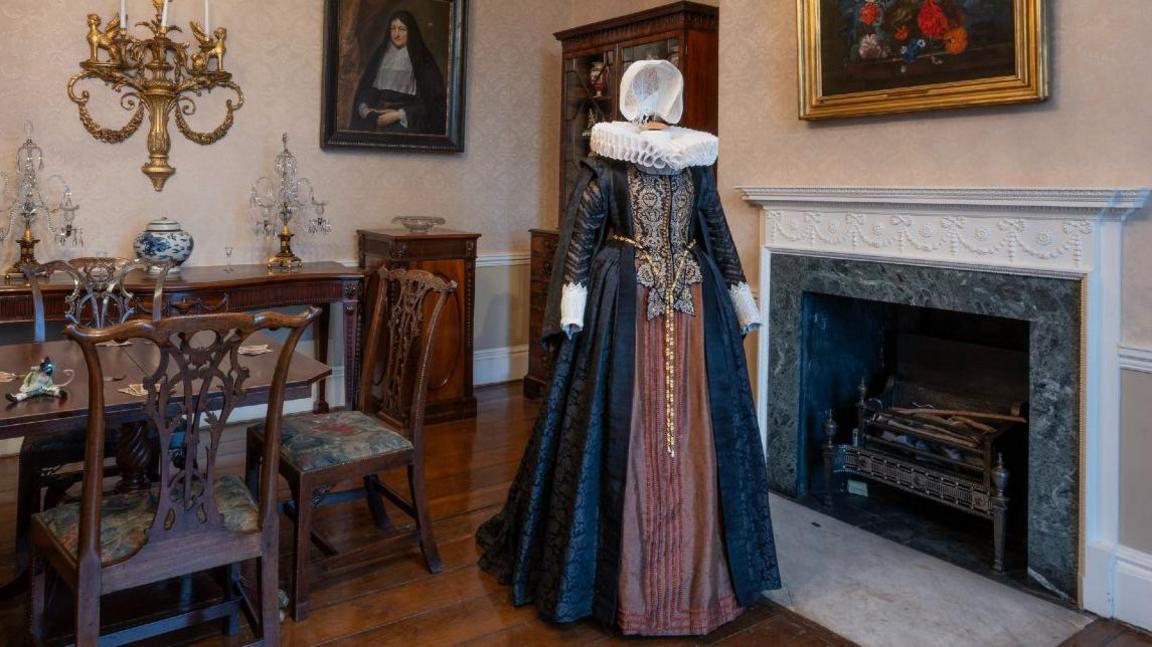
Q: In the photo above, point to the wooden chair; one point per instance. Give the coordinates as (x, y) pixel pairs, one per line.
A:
(191, 520)
(98, 299)
(321, 451)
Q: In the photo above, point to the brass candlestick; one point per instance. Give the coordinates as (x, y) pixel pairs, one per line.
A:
(162, 78)
(281, 199)
(28, 203)
(285, 259)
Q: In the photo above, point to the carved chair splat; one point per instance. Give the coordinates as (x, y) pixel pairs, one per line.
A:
(99, 299)
(319, 452)
(208, 521)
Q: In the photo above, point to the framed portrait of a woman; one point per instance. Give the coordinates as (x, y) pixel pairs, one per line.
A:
(394, 74)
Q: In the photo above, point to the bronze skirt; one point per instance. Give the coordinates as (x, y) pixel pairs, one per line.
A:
(674, 572)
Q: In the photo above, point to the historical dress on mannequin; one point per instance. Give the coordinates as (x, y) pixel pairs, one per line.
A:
(642, 497)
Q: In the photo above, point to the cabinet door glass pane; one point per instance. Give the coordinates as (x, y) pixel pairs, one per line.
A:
(589, 98)
(668, 50)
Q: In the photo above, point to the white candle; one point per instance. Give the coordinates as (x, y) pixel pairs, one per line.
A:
(123, 14)
(164, 16)
(207, 16)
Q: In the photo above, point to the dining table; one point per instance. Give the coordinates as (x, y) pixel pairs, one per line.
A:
(122, 366)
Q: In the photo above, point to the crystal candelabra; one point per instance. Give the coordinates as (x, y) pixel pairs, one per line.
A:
(162, 78)
(281, 199)
(26, 203)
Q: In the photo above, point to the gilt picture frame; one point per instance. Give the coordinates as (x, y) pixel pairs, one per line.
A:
(394, 75)
(877, 57)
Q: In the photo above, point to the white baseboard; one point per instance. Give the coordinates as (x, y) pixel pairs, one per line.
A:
(1096, 583)
(498, 365)
(1134, 587)
(1136, 358)
(503, 259)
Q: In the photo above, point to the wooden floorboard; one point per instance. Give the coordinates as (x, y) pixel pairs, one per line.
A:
(396, 601)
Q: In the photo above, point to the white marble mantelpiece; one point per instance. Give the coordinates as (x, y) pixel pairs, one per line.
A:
(1072, 233)
(1050, 231)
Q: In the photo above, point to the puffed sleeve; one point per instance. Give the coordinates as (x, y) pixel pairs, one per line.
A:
(725, 254)
(580, 236)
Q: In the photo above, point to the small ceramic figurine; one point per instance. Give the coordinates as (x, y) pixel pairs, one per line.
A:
(38, 382)
(598, 78)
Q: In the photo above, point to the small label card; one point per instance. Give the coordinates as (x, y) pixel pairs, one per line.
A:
(258, 349)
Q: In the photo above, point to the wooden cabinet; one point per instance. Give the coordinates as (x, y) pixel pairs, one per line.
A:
(544, 242)
(451, 254)
(685, 33)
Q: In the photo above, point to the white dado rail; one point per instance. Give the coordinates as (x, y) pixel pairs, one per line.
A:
(1072, 233)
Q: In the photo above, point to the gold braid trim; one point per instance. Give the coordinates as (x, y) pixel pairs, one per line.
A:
(666, 287)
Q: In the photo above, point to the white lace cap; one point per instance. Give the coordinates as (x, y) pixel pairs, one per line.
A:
(652, 89)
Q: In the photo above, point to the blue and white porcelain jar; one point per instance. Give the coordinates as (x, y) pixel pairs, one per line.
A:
(163, 240)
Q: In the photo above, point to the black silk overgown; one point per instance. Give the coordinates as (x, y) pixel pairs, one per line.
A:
(557, 539)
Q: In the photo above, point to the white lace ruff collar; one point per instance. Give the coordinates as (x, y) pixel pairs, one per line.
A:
(673, 148)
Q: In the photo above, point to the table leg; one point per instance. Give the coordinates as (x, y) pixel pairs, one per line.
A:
(134, 454)
(323, 324)
(351, 344)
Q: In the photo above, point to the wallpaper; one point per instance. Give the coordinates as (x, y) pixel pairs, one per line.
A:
(499, 187)
(1092, 132)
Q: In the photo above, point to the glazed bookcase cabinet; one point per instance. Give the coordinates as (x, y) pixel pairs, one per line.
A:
(685, 33)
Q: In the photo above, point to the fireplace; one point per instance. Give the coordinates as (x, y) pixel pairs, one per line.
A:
(1030, 280)
(836, 321)
(938, 425)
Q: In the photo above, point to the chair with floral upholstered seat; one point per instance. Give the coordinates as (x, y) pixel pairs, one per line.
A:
(98, 299)
(321, 451)
(192, 518)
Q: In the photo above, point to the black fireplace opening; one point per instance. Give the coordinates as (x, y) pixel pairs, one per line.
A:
(913, 425)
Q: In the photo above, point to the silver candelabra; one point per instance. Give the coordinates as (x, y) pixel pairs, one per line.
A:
(25, 200)
(279, 200)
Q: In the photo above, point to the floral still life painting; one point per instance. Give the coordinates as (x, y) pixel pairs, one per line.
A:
(861, 57)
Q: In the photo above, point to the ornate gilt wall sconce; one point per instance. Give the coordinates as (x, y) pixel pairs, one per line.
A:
(162, 78)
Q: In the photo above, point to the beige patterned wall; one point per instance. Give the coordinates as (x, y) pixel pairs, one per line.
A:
(498, 187)
(586, 11)
(1093, 131)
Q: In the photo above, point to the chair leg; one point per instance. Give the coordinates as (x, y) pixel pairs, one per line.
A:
(423, 520)
(27, 504)
(229, 580)
(302, 549)
(269, 597)
(87, 615)
(38, 581)
(376, 503)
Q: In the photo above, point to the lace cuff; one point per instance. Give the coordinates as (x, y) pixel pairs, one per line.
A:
(572, 308)
(746, 311)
